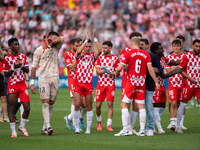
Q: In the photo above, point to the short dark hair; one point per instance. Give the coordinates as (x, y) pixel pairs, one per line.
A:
(176, 41)
(154, 46)
(53, 33)
(195, 41)
(109, 43)
(89, 41)
(11, 40)
(74, 40)
(145, 41)
(136, 34)
(181, 37)
(79, 39)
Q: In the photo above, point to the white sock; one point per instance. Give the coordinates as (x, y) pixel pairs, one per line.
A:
(129, 122)
(76, 115)
(50, 111)
(89, 119)
(84, 110)
(173, 121)
(142, 119)
(109, 122)
(182, 119)
(45, 112)
(21, 110)
(44, 126)
(180, 113)
(23, 122)
(191, 102)
(157, 118)
(161, 111)
(99, 118)
(133, 118)
(12, 126)
(125, 116)
(70, 116)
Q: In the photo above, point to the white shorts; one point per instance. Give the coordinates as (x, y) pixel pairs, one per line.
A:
(48, 88)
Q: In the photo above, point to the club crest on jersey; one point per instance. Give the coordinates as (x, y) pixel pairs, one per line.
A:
(68, 60)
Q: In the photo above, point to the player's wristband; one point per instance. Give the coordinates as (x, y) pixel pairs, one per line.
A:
(95, 40)
(85, 41)
(32, 81)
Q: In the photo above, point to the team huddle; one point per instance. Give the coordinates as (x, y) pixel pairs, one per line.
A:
(142, 82)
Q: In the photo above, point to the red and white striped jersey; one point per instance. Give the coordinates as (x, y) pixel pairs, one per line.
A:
(177, 79)
(8, 63)
(111, 63)
(85, 65)
(191, 65)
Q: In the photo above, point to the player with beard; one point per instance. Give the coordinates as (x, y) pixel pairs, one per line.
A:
(70, 60)
(191, 86)
(150, 85)
(106, 83)
(46, 57)
(83, 80)
(160, 97)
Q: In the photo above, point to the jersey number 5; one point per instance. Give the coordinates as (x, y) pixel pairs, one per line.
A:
(138, 65)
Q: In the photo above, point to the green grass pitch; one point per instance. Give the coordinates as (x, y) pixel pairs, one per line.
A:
(63, 138)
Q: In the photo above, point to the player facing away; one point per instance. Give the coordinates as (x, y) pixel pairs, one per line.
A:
(134, 111)
(175, 83)
(190, 64)
(138, 61)
(70, 60)
(106, 83)
(15, 66)
(46, 57)
(83, 80)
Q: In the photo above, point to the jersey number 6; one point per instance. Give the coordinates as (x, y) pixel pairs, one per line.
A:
(138, 65)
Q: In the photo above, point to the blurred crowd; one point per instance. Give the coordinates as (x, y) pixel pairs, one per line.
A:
(157, 20)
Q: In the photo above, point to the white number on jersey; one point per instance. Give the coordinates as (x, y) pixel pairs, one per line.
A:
(138, 66)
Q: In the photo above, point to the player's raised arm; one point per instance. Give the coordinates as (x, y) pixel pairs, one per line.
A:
(79, 51)
(153, 75)
(99, 49)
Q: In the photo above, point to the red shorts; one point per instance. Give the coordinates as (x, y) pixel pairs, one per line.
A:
(174, 94)
(19, 89)
(160, 96)
(83, 88)
(187, 93)
(103, 92)
(133, 92)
